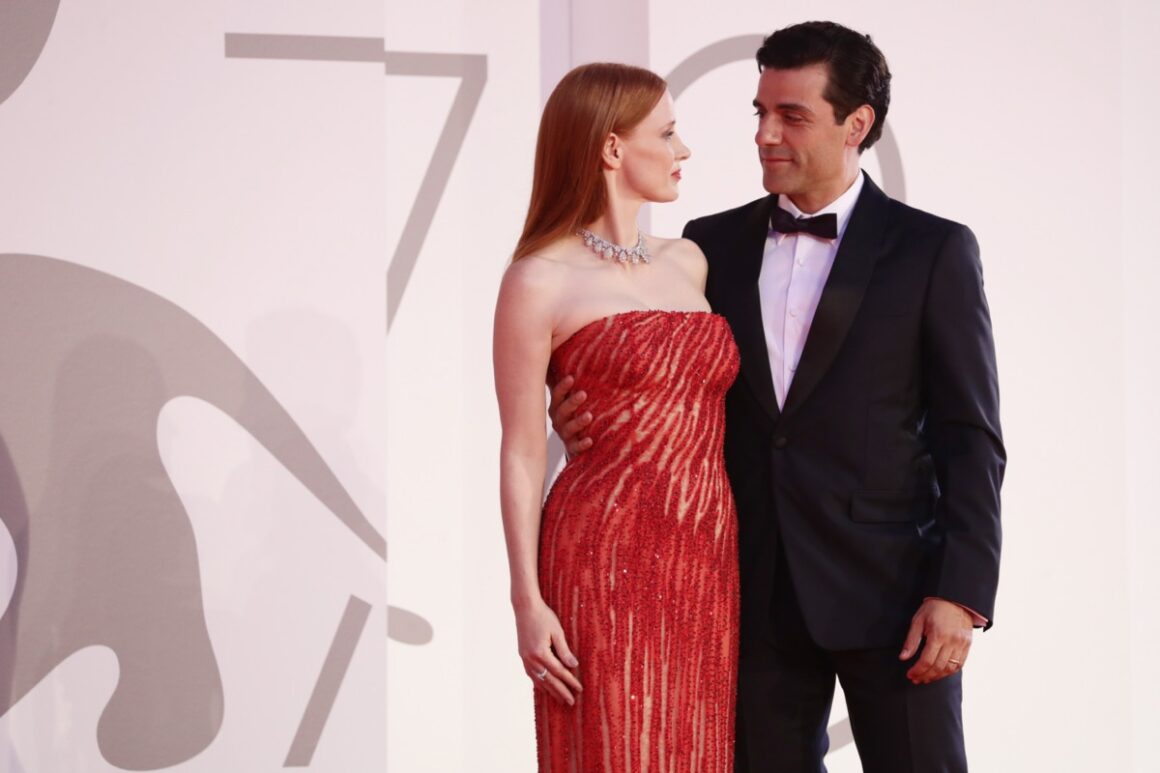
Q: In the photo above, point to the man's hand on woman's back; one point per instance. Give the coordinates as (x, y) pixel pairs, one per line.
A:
(568, 422)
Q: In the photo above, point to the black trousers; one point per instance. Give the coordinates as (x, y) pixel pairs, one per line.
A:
(786, 685)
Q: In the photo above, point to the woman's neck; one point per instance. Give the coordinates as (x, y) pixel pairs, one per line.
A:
(618, 224)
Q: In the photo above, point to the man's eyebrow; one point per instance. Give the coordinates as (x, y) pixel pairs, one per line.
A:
(798, 106)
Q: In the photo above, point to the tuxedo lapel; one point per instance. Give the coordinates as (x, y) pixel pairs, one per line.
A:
(742, 304)
(843, 292)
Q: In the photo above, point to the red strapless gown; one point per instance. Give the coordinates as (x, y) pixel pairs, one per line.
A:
(638, 551)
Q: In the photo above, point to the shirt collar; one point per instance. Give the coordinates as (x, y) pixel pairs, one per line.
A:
(843, 206)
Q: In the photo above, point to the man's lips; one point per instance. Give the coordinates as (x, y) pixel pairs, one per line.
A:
(775, 160)
(677, 174)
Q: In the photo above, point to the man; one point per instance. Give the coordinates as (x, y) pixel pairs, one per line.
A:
(862, 434)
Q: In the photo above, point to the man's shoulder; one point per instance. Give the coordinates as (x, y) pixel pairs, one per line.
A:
(727, 218)
(917, 220)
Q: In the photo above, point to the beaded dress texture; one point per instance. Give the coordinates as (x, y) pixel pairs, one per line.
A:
(638, 551)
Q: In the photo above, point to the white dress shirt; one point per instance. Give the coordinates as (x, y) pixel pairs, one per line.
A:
(794, 270)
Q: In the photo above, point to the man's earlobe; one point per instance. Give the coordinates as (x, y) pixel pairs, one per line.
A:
(864, 123)
(857, 132)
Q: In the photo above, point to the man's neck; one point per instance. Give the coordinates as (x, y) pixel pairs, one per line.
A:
(813, 201)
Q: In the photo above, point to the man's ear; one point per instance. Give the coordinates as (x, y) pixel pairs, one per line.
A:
(613, 152)
(860, 122)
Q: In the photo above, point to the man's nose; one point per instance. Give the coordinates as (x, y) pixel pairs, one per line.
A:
(768, 132)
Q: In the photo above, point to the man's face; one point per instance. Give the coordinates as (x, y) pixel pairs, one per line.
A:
(804, 152)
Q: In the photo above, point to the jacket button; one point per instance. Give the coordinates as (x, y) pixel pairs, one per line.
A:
(781, 441)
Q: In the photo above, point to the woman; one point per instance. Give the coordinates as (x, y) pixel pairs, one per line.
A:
(625, 584)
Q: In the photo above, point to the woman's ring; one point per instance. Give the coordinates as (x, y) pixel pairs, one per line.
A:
(541, 675)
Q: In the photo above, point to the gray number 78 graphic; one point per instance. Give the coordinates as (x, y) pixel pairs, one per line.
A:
(471, 69)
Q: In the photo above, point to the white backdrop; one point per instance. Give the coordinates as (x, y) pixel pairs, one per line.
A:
(192, 389)
(1030, 123)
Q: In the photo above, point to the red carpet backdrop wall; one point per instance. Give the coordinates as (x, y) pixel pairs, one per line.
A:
(1031, 123)
(249, 254)
(192, 387)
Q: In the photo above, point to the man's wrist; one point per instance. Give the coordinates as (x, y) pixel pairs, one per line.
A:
(977, 620)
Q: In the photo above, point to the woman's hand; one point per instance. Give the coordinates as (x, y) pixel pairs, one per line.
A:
(545, 653)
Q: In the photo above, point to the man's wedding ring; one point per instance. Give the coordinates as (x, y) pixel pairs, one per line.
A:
(955, 663)
(541, 675)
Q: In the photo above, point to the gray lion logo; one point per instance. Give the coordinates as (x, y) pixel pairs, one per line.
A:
(105, 550)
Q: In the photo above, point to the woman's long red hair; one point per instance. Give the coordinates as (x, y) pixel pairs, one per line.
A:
(589, 103)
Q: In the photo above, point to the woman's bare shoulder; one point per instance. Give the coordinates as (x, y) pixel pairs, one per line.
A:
(682, 252)
(540, 279)
(678, 248)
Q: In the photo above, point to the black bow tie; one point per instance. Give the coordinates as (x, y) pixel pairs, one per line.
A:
(825, 226)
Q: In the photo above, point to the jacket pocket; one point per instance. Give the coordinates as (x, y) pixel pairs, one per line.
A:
(891, 507)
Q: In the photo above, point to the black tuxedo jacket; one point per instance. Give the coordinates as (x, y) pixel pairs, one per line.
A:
(881, 474)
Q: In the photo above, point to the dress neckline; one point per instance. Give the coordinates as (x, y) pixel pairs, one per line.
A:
(630, 313)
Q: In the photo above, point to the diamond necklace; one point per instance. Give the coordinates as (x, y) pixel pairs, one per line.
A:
(609, 251)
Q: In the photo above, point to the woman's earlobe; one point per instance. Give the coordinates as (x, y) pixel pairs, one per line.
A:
(611, 154)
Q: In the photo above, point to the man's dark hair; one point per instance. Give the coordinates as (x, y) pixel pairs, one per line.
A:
(857, 71)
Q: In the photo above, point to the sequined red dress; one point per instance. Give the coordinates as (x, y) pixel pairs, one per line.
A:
(638, 551)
